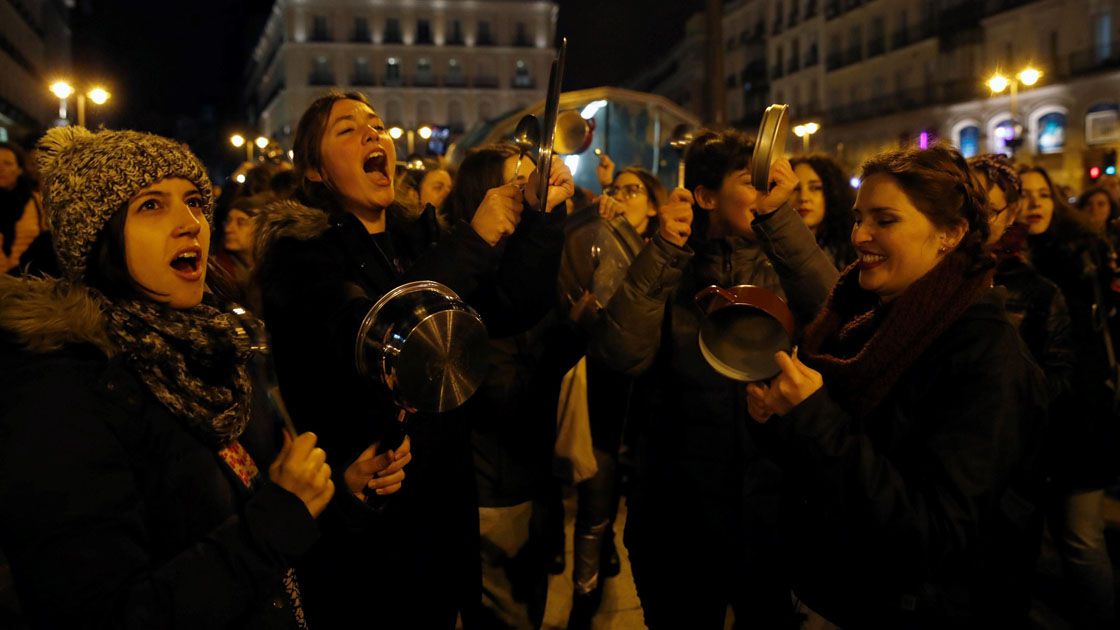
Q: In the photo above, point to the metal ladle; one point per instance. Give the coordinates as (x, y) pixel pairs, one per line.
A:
(527, 136)
(679, 141)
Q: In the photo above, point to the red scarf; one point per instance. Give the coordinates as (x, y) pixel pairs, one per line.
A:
(862, 347)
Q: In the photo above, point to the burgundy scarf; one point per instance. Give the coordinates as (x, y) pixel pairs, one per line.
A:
(862, 347)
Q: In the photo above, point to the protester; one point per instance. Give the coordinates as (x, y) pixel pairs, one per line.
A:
(909, 417)
(612, 232)
(129, 492)
(824, 199)
(234, 257)
(323, 262)
(1082, 444)
(701, 524)
(20, 206)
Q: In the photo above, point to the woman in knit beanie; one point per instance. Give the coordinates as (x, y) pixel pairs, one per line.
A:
(129, 492)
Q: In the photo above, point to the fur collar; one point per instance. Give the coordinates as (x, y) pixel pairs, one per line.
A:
(287, 219)
(45, 314)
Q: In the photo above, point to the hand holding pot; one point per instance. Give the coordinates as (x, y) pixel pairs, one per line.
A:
(302, 469)
(499, 213)
(561, 186)
(788, 389)
(382, 473)
(783, 181)
(675, 217)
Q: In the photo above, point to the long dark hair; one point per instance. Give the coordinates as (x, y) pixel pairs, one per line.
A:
(834, 234)
(307, 149)
(939, 183)
(1065, 222)
(1113, 207)
(480, 171)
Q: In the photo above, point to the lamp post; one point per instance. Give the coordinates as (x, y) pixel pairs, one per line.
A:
(64, 90)
(805, 132)
(997, 83)
(424, 132)
(238, 141)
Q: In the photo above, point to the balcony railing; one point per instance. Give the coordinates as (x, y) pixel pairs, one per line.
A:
(424, 80)
(321, 78)
(363, 79)
(455, 81)
(904, 100)
(524, 83)
(485, 82)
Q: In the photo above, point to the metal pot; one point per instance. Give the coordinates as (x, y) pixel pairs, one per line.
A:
(425, 344)
(770, 145)
(743, 327)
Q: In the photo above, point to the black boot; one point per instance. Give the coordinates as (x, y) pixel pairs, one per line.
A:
(584, 607)
(610, 564)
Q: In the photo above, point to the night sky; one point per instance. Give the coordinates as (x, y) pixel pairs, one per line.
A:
(177, 68)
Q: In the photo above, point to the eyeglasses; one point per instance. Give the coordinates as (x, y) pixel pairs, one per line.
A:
(625, 193)
(998, 211)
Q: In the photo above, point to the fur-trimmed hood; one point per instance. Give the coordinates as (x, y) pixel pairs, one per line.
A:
(286, 219)
(45, 314)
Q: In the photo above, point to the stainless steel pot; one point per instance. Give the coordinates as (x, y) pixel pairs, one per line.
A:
(425, 344)
(743, 327)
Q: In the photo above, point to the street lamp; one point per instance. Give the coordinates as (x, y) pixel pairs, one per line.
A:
(238, 141)
(805, 132)
(64, 90)
(997, 83)
(424, 132)
(261, 142)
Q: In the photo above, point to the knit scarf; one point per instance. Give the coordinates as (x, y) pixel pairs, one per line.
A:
(862, 347)
(192, 360)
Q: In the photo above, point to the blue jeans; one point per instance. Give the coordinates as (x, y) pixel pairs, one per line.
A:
(1077, 528)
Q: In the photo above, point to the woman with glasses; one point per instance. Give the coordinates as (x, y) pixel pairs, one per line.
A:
(611, 233)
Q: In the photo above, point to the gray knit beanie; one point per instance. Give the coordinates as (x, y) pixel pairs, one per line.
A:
(87, 176)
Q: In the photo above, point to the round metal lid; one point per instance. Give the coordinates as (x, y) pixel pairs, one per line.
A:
(739, 342)
(442, 362)
(770, 144)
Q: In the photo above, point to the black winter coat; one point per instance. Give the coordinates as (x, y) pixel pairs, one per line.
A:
(114, 514)
(923, 514)
(416, 564)
(1083, 423)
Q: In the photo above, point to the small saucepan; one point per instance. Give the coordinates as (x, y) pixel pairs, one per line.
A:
(743, 327)
(427, 346)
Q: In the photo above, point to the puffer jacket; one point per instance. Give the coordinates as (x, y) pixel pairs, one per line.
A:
(113, 512)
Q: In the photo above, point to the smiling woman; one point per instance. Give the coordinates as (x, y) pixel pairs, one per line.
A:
(908, 422)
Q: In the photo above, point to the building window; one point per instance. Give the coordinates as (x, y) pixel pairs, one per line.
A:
(877, 43)
(455, 73)
(319, 30)
(1002, 135)
(1102, 123)
(521, 36)
(393, 72)
(521, 77)
(1051, 133)
(794, 56)
(321, 72)
(392, 31)
(423, 32)
(455, 116)
(1102, 36)
(968, 140)
(456, 37)
(361, 30)
(362, 73)
(485, 37)
(424, 72)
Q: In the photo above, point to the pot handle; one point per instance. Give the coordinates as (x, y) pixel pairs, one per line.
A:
(706, 293)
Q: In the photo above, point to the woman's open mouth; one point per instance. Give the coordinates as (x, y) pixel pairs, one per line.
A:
(187, 263)
(376, 164)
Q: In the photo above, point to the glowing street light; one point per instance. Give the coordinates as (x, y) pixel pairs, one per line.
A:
(262, 142)
(64, 90)
(997, 83)
(237, 140)
(425, 132)
(396, 133)
(805, 132)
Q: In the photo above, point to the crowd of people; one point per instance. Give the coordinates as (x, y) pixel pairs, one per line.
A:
(950, 402)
